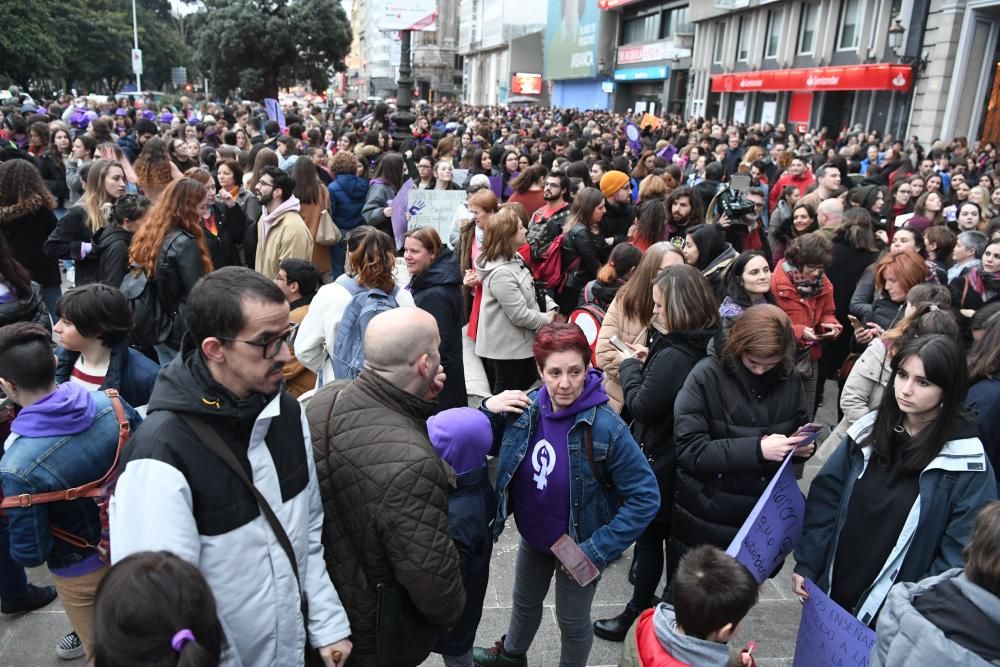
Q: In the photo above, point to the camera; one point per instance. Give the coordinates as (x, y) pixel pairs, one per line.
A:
(731, 203)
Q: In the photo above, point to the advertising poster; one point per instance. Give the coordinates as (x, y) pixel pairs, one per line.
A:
(408, 15)
(571, 40)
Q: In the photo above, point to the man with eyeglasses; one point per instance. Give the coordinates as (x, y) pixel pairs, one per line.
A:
(178, 493)
(281, 232)
(547, 222)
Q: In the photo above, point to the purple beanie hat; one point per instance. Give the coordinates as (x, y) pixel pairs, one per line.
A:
(462, 437)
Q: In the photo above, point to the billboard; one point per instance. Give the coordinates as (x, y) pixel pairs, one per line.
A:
(408, 15)
(571, 39)
(526, 84)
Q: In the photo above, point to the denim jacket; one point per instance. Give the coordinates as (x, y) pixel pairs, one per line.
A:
(35, 465)
(603, 522)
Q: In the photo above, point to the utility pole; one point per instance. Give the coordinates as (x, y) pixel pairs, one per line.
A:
(404, 118)
(136, 53)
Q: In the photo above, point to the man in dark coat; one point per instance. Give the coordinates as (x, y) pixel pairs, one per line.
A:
(385, 493)
(619, 214)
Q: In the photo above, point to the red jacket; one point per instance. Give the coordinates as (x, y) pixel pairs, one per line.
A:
(812, 312)
(651, 652)
(802, 183)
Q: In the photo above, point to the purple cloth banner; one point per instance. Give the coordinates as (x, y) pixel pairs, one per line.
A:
(274, 111)
(398, 207)
(496, 185)
(668, 152)
(773, 528)
(829, 635)
(633, 136)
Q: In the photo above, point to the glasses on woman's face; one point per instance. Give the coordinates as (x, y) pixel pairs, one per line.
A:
(270, 347)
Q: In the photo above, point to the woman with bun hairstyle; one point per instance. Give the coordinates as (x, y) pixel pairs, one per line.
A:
(629, 315)
(915, 469)
(156, 609)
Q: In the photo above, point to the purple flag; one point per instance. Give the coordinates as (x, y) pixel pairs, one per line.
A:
(274, 111)
(668, 152)
(829, 634)
(398, 206)
(633, 135)
(773, 528)
(496, 185)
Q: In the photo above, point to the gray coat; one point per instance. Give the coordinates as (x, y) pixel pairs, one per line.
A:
(509, 314)
(906, 637)
(379, 196)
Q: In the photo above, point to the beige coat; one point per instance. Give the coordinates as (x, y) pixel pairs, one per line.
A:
(288, 237)
(863, 389)
(608, 358)
(310, 215)
(509, 314)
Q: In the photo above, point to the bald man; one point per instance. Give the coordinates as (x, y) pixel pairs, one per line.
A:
(385, 491)
(829, 213)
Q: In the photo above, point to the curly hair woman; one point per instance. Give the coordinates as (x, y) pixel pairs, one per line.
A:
(170, 247)
(153, 169)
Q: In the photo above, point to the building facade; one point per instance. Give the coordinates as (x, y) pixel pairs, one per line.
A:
(437, 67)
(811, 63)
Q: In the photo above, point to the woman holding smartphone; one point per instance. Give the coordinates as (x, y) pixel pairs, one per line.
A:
(915, 469)
(567, 469)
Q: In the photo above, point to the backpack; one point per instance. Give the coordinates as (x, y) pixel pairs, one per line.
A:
(589, 316)
(151, 325)
(349, 345)
(100, 490)
(550, 271)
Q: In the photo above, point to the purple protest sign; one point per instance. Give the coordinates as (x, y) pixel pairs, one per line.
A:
(829, 635)
(774, 526)
(496, 185)
(398, 207)
(274, 112)
(668, 152)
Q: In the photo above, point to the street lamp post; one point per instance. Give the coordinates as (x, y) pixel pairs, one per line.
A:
(135, 38)
(403, 118)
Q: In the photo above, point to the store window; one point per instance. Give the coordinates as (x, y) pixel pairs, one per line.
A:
(774, 21)
(807, 28)
(743, 40)
(720, 38)
(850, 22)
(641, 29)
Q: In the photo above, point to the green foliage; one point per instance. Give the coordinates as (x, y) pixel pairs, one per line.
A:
(53, 44)
(257, 45)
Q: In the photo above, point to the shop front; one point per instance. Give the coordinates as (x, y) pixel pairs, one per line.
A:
(831, 97)
(648, 78)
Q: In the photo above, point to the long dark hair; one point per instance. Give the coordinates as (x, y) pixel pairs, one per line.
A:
(734, 286)
(984, 358)
(307, 183)
(944, 366)
(652, 221)
(711, 242)
(390, 170)
(12, 271)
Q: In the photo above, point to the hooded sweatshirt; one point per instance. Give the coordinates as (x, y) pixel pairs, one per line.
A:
(68, 410)
(541, 484)
(462, 437)
(687, 649)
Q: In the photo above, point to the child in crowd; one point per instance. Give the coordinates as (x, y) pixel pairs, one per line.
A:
(93, 325)
(462, 437)
(156, 609)
(712, 594)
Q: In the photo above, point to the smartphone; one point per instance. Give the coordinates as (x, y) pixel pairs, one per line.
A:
(576, 562)
(855, 323)
(620, 345)
(811, 431)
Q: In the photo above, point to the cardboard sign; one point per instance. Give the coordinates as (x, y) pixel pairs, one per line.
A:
(829, 635)
(434, 208)
(774, 526)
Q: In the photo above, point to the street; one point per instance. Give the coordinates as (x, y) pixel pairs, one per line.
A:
(29, 640)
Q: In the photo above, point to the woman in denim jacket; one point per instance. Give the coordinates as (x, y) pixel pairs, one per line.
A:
(567, 465)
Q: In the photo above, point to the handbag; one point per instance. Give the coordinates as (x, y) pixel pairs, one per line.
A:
(327, 233)
(213, 443)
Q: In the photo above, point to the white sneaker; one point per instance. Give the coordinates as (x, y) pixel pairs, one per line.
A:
(70, 647)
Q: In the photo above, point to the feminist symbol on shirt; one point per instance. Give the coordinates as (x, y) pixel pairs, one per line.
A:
(543, 460)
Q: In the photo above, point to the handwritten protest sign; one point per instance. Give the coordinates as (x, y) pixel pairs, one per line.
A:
(773, 528)
(829, 635)
(434, 208)
(398, 206)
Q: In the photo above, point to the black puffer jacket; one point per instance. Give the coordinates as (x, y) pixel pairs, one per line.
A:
(111, 245)
(616, 221)
(720, 416)
(650, 390)
(230, 223)
(65, 241)
(385, 496)
(438, 290)
(178, 268)
(26, 225)
(591, 251)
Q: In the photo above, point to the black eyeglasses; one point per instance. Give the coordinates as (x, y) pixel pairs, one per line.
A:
(270, 347)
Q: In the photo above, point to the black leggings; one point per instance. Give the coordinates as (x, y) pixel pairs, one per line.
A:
(507, 374)
(650, 550)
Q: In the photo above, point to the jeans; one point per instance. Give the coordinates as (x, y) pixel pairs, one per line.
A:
(165, 354)
(50, 295)
(464, 660)
(13, 582)
(532, 577)
(338, 258)
(650, 551)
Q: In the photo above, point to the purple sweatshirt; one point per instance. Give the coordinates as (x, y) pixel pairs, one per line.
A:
(69, 410)
(541, 484)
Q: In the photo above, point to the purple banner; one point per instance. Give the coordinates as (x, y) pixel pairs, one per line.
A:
(773, 528)
(496, 185)
(398, 207)
(668, 152)
(274, 111)
(829, 635)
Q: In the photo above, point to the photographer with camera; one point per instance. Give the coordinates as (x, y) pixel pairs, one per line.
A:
(737, 209)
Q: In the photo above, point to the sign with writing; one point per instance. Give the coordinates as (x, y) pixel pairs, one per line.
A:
(642, 74)
(644, 53)
(773, 528)
(850, 77)
(571, 36)
(137, 61)
(526, 84)
(408, 15)
(829, 635)
(433, 208)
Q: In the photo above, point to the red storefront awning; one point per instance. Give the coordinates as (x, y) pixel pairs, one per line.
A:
(851, 77)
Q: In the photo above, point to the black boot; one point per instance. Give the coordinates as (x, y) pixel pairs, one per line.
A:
(615, 629)
(34, 598)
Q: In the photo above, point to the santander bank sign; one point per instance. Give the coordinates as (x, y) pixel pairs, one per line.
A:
(855, 77)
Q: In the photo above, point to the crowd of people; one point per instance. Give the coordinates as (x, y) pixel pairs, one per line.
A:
(272, 371)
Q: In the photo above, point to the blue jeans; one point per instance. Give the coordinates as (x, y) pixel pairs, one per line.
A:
(338, 258)
(165, 354)
(13, 582)
(50, 295)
